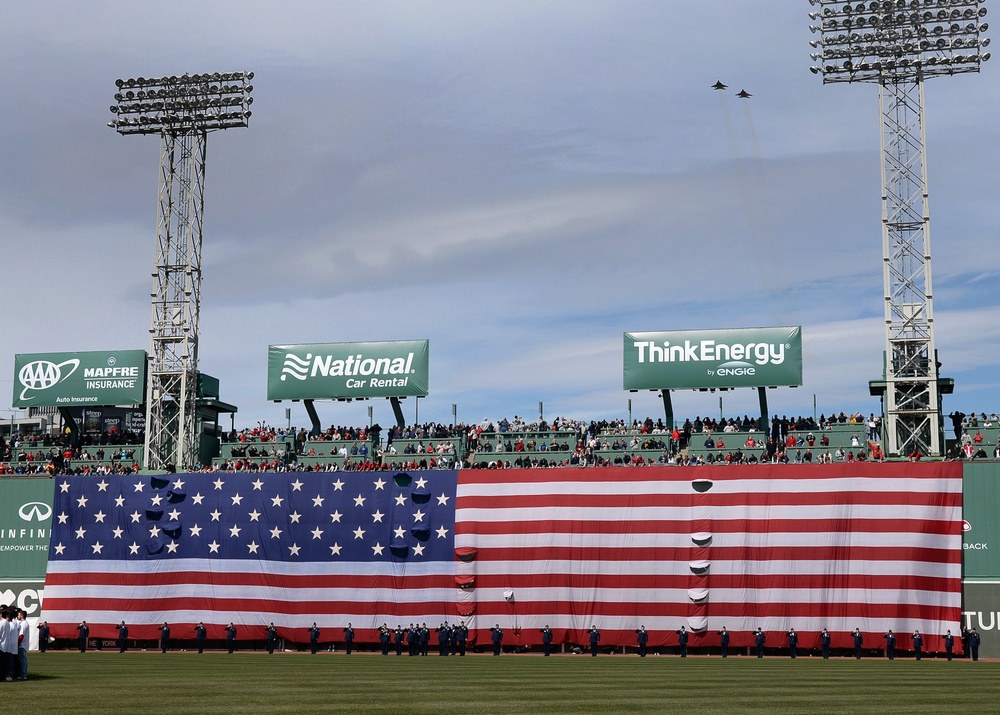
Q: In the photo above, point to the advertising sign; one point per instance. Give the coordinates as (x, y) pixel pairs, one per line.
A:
(89, 378)
(316, 371)
(738, 357)
(25, 526)
(981, 528)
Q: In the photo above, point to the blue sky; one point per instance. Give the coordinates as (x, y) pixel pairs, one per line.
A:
(517, 182)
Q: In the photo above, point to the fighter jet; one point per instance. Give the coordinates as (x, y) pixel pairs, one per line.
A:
(719, 85)
(743, 94)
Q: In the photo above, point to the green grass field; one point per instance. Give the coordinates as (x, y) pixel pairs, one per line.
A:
(176, 683)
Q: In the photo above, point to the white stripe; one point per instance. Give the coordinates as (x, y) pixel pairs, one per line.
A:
(253, 593)
(874, 512)
(573, 598)
(284, 568)
(332, 624)
(722, 568)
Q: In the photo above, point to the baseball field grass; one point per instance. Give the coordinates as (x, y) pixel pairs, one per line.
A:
(184, 682)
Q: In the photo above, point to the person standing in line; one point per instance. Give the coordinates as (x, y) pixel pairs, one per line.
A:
(272, 638)
(349, 638)
(231, 637)
(461, 637)
(949, 644)
(84, 631)
(890, 645)
(724, 642)
(546, 640)
(974, 641)
(642, 638)
(759, 639)
(965, 641)
(682, 641)
(793, 642)
(122, 637)
(496, 635)
(859, 641)
(23, 641)
(384, 637)
(164, 637)
(918, 644)
(425, 638)
(9, 634)
(199, 634)
(824, 644)
(43, 636)
(595, 639)
(398, 635)
(413, 640)
(314, 638)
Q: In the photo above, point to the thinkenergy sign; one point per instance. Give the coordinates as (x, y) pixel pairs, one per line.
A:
(738, 357)
(316, 371)
(88, 378)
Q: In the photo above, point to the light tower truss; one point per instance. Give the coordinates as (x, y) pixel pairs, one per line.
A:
(182, 110)
(898, 44)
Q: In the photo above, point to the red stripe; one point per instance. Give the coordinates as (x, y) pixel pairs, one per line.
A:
(261, 605)
(890, 499)
(884, 582)
(839, 555)
(492, 610)
(719, 526)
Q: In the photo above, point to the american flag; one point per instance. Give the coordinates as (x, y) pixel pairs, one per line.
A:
(365, 548)
(869, 546)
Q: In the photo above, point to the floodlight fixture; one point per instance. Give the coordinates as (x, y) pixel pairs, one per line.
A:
(182, 109)
(897, 44)
(196, 102)
(898, 40)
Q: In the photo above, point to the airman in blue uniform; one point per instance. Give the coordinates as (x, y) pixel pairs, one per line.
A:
(496, 635)
(314, 638)
(425, 638)
(199, 634)
(759, 639)
(164, 637)
(384, 637)
(272, 638)
(682, 641)
(231, 637)
(398, 635)
(974, 641)
(413, 639)
(122, 637)
(546, 640)
(859, 641)
(595, 639)
(43, 636)
(444, 638)
(824, 644)
(724, 641)
(461, 637)
(793, 642)
(349, 638)
(918, 644)
(84, 630)
(949, 644)
(890, 645)
(642, 638)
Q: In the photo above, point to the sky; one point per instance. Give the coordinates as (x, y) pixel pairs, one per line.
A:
(519, 183)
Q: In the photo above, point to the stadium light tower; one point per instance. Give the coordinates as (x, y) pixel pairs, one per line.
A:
(897, 44)
(182, 110)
